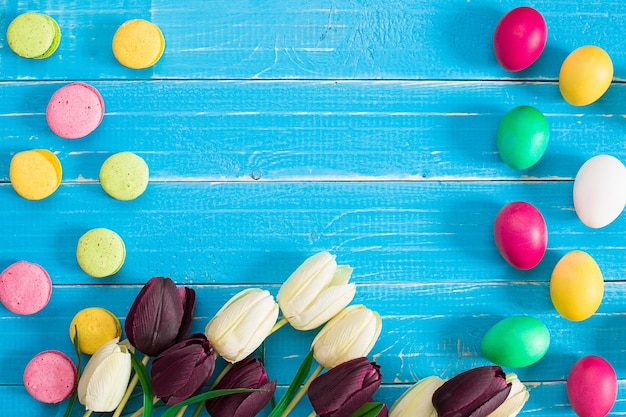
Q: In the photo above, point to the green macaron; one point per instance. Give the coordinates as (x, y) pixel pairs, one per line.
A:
(124, 176)
(100, 252)
(34, 35)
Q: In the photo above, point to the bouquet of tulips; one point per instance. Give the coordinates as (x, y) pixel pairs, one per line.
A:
(176, 365)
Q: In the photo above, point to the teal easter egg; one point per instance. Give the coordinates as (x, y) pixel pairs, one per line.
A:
(522, 137)
(516, 342)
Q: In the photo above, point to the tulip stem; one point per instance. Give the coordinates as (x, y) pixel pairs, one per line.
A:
(280, 323)
(129, 390)
(140, 410)
(302, 391)
(222, 374)
(313, 414)
(87, 413)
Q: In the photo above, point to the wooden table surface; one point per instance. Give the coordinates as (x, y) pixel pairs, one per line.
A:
(276, 129)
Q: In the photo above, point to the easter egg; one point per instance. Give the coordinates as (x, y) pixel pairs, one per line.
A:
(520, 38)
(585, 75)
(576, 286)
(521, 234)
(522, 137)
(600, 190)
(516, 342)
(592, 387)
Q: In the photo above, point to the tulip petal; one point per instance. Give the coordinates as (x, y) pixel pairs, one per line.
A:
(492, 404)
(327, 305)
(154, 320)
(105, 379)
(308, 280)
(244, 322)
(516, 399)
(350, 334)
(416, 401)
(187, 297)
(345, 388)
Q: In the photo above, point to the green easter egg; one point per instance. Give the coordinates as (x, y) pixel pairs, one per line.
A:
(516, 342)
(523, 136)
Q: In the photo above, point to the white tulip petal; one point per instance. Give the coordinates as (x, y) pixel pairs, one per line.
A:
(350, 334)
(417, 400)
(329, 303)
(106, 376)
(306, 282)
(242, 324)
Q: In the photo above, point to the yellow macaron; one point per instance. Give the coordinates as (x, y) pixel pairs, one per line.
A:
(95, 326)
(35, 174)
(138, 44)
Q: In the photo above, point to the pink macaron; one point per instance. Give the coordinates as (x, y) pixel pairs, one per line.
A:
(50, 376)
(25, 287)
(75, 110)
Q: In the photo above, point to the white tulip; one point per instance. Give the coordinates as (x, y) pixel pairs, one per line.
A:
(417, 400)
(242, 324)
(105, 377)
(315, 292)
(514, 401)
(350, 334)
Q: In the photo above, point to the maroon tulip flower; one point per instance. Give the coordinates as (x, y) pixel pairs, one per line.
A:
(249, 373)
(476, 392)
(342, 390)
(181, 370)
(160, 316)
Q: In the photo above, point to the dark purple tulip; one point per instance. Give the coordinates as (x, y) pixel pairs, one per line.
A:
(476, 393)
(182, 369)
(343, 389)
(249, 373)
(160, 315)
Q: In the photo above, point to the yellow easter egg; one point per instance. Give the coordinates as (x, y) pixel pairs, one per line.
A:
(585, 75)
(576, 286)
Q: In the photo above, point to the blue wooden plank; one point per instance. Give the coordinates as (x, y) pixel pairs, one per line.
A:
(293, 130)
(415, 39)
(200, 232)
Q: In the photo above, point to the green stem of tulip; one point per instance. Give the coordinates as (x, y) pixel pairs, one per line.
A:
(302, 391)
(280, 323)
(129, 390)
(313, 414)
(222, 374)
(87, 413)
(140, 411)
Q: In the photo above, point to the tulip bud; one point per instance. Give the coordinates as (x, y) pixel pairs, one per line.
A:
(417, 400)
(476, 392)
(160, 315)
(182, 369)
(105, 377)
(250, 374)
(345, 388)
(350, 334)
(516, 399)
(242, 324)
(316, 291)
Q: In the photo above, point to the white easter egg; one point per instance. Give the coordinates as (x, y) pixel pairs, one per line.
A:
(600, 190)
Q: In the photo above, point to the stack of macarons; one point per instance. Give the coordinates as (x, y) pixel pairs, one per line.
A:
(34, 35)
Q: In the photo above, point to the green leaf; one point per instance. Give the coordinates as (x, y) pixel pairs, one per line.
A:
(205, 396)
(297, 381)
(146, 386)
(70, 405)
(368, 410)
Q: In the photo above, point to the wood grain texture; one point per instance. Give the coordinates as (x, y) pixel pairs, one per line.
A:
(275, 129)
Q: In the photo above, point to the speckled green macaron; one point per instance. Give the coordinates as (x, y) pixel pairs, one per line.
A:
(34, 35)
(100, 252)
(124, 176)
